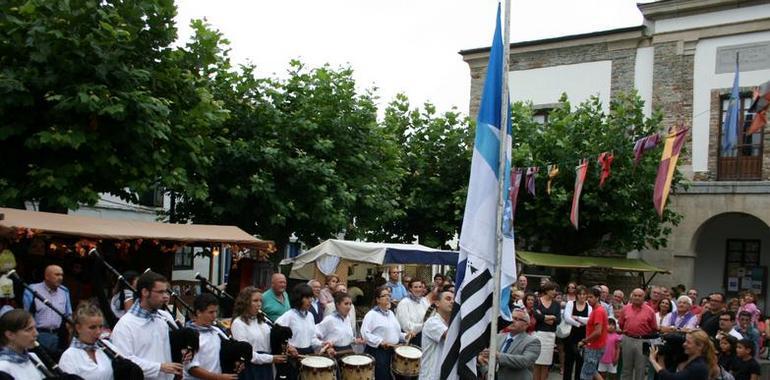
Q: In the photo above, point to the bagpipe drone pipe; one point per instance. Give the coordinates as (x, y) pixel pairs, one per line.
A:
(123, 369)
(181, 339)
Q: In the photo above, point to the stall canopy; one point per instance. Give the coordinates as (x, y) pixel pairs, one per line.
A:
(327, 256)
(77, 226)
(588, 262)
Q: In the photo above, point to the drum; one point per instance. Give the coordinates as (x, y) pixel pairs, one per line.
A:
(317, 368)
(406, 361)
(357, 367)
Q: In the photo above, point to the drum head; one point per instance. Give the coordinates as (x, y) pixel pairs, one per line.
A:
(409, 352)
(317, 362)
(357, 360)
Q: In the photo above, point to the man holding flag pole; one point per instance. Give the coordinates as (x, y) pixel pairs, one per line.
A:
(486, 264)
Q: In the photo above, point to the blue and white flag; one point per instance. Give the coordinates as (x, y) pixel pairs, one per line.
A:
(730, 126)
(469, 327)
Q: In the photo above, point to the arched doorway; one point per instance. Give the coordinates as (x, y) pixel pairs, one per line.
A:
(732, 253)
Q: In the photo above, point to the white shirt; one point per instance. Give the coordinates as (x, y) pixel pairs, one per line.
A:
(302, 329)
(331, 308)
(410, 314)
(118, 309)
(26, 371)
(77, 362)
(257, 335)
(432, 345)
(575, 320)
(335, 330)
(145, 342)
(207, 356)
(378, 328)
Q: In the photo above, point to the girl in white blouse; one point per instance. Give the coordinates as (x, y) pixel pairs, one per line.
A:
(18, 335)
(83, 357)
(381, 332)
(303, 339)
(251, 326)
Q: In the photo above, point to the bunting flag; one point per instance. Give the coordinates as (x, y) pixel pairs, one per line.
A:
(580, 177)
(469, 324)
(553, 171)
(730, 125)
(759, 106)
(531, 175)
(516, 174)
(605, 163)
(668, 158)
(644, 144)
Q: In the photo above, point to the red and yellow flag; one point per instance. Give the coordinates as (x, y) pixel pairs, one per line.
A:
(671, 149)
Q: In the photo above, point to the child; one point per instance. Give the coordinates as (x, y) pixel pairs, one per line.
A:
(748, 304)
(726, 356)
(608, 364)
(746, 367)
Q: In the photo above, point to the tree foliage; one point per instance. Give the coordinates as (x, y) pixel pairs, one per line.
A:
(437, 151)
(94, 100)
(614, 219)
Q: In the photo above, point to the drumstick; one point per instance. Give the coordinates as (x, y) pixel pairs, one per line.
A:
(344, 352)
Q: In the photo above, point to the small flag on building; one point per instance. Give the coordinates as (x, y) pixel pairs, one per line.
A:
(730, 125)
(759, 106)
(516, 174)
(643, 145)
(553, 171)
(668, 158)
(580, 177)
(531, 175)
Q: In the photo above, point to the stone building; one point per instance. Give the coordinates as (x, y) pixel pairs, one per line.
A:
(682, 62)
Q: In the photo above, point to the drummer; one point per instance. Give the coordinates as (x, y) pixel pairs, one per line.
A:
(335, 328)
(411, 310)
(251, 326)
(381, 332)
(303, 339)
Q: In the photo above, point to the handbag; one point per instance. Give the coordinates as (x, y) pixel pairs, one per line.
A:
(563, 329)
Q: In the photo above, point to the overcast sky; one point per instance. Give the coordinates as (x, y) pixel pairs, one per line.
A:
(408, 46)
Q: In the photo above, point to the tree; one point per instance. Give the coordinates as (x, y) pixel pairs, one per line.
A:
(437, 151)
(614, 219)
(94, 100)
(303, 155)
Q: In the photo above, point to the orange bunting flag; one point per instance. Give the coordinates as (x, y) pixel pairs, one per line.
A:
(605, 163)
(760, 105)
(671, 149)
(580, 177)
(553, 171)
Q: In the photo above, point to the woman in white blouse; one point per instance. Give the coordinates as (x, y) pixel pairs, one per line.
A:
(303, 339)
(17, 336)
(576, 315)
(381, 332)
(336, 328)
(664, 309)
(83, 357)
(251, 326)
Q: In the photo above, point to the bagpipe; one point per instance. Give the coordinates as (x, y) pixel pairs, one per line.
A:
(123, 369)
(182, 339)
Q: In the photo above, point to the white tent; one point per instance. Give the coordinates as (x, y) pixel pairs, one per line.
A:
(327, 257)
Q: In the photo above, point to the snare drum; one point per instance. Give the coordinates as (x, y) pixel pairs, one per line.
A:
(406, 361)
(357, 367)
(317, 368)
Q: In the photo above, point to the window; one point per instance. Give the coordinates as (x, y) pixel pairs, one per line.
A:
(742, 269)
(152, 197)
(540, 114)
(745, 161)
(183, 258)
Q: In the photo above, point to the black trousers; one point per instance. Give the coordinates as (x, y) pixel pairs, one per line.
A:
(572, 356)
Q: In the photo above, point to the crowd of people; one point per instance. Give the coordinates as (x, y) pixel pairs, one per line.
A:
(668, 333)
(586, 332)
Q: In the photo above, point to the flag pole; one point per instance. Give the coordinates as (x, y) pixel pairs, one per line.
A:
(501, 192)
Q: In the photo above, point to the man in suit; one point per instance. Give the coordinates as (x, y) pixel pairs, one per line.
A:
(517, 350)
(316, 307)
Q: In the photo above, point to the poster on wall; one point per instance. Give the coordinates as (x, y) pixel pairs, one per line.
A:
(746, 283)
(732, 284)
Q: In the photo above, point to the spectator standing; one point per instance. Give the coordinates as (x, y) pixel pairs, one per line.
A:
(326, 295)
(638, 324)
(518, 351)
(316, 306)
(746, 367)
(275, 301)
(655, 296)
(576, 315)
(683, 319)
(521, 283)
(727, 352)
(709, 321)
(701, 360)
(529, 307)
(548, 315)
(608, 364)
(397, 289)
(749, 305)
(664, 309)
(747, 329)
(605, 300)
(693, 295)
(727, 326)
(596, 336)
(48, 323)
